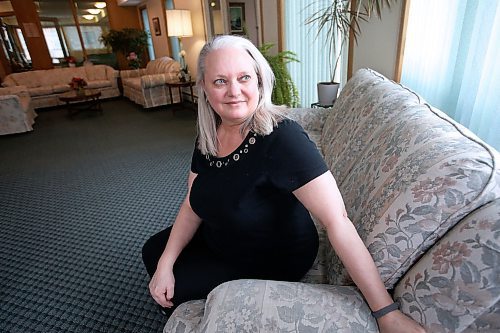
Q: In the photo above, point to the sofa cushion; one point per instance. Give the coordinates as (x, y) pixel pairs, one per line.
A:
(272, 306)
(99, 84)
(133, 82)
(96, 72)
(61, 76)
(407, 172)
(31, 79)
(59, 88)
(41, 91)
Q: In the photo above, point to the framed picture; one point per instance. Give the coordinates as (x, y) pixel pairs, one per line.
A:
(156, 26)
(237, 17)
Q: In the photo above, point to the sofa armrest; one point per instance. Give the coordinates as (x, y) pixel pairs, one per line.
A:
(153, 80)
(265, 306)
(455, 286)
(132, 73)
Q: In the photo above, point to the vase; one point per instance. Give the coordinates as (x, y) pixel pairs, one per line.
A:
(327, 93)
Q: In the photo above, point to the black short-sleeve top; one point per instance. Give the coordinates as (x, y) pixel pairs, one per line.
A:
(245, 199)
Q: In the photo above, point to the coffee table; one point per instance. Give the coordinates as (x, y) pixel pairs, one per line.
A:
(86, 100)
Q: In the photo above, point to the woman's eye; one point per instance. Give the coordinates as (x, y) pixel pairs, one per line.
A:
(219, 82)
(245, 77)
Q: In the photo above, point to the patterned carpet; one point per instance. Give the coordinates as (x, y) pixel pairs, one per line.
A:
(78, 198)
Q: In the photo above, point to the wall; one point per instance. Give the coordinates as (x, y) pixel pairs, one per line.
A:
(161, 44)
(378, 44)
(192, 45)
(27, 17)
(270, 22)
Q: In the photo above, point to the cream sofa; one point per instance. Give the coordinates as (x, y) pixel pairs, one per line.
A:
(17, 114)
(424, 194)
(45, 86)
(146, 86)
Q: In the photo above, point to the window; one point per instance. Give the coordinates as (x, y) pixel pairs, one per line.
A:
(301, 39)
(145, 23)
(451, 59)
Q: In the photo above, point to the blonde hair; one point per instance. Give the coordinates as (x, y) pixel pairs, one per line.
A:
(266, 115)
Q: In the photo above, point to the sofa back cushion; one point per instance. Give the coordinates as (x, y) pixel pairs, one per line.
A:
(163, 65)
(30, 79)
(407, 172)
(62, 76)
(96, 72)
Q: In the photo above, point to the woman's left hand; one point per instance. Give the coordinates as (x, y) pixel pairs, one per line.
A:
(398, 322)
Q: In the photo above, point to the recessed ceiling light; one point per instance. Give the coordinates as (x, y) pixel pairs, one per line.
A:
(100, 5)
(94, 11)
(212, 4)
(88, 17)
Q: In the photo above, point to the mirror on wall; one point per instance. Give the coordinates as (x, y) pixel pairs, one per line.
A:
(232, 17)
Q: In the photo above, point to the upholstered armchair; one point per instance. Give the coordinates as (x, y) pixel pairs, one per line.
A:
(17, 114)
(146, 86)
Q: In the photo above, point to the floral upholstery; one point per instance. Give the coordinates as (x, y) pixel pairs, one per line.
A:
(45, 86)
(146, 86)
(456, 285)
(406, 171)
(16, 110)
(424, 195)
(274, 306)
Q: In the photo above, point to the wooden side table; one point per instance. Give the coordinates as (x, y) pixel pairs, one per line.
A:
(179, 85)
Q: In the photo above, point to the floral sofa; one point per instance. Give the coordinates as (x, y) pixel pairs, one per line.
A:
(146, 86)
(424, 194)
(17, 114)
(45, 86)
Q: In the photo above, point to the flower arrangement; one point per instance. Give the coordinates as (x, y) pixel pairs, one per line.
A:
(77, 83)
(133, 60)
(70, 61)
(184, 74)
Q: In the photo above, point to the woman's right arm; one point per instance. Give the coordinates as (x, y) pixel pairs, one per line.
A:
(187, 222)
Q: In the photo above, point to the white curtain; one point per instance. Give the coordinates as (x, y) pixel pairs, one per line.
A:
(311, 51)
(452, 57)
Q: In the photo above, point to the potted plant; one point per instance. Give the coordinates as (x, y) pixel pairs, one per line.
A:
(132, 43)
(339, 19)
(284, 91)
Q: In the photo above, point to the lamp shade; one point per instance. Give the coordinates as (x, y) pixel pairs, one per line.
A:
(179, 23)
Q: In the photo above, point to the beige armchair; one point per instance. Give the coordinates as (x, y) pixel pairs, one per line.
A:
(146, 86)
(17, 114)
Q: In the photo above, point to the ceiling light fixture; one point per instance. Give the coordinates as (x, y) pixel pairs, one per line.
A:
(94, 11)
(100, 5)
(88, 17)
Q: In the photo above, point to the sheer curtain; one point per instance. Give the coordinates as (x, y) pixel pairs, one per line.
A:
(311, 51)
(451, 58)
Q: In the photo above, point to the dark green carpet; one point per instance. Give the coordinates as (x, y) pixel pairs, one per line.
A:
(78, 198)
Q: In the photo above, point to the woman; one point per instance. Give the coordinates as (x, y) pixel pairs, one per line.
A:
(254, 178)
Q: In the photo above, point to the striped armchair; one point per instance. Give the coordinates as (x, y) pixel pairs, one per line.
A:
(146, 86)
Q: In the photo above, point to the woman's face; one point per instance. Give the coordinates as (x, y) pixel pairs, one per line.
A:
(231, 84)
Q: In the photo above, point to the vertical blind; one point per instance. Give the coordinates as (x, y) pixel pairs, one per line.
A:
(311, 51)
(451, 58)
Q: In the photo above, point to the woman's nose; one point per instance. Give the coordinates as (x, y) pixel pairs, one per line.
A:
(234, 89)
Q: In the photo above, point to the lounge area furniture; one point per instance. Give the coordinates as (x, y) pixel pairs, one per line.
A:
(45, 86)
(146, 86)
(424, 195)
(17, 114)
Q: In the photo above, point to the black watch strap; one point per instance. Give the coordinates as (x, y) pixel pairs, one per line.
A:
(385, 310)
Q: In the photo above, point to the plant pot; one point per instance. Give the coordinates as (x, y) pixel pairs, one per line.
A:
(327, 93)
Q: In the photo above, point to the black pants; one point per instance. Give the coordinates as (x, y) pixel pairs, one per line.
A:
(198, 269)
